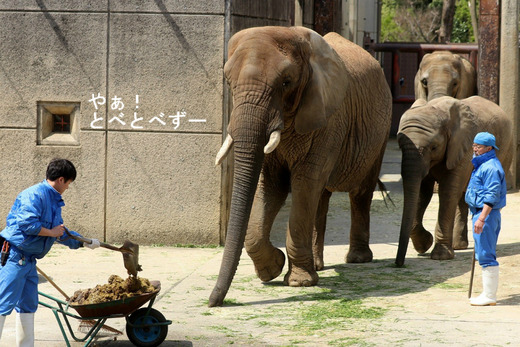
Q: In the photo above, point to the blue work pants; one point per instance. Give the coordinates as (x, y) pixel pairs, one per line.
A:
(486, 242)
(18, 284)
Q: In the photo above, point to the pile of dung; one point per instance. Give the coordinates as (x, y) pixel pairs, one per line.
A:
(115, 289)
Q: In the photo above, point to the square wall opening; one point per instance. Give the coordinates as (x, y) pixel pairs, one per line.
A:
(58, 123)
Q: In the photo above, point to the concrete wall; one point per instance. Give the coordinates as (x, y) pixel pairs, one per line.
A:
(145, 156)
(358, 18)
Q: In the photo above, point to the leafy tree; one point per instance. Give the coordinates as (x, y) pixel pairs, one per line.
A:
(462, 29)
(420, 21)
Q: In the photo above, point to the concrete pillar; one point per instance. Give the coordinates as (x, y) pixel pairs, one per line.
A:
(509, 76)
(489, 49)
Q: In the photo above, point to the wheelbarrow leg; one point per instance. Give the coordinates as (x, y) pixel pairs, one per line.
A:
(61, 327)
(88, 337)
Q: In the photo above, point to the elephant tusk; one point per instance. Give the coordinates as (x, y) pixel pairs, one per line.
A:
(224, 150)
(274, 140)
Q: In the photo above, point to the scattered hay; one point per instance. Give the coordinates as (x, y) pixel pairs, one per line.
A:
(115, 289)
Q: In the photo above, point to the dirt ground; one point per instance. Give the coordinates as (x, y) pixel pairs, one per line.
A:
(424, 303)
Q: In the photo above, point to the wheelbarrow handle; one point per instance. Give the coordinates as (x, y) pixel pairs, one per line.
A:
(52, 282)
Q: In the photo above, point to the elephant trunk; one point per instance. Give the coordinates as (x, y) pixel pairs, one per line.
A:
(437, 90)
(249, 138)
(412, 173)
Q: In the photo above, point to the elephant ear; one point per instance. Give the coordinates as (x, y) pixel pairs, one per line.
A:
(419, 103)
(326, 86)
(468, 80)
(461, 130)
(236, 39)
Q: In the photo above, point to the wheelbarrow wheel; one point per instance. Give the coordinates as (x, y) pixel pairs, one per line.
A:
(151, 335)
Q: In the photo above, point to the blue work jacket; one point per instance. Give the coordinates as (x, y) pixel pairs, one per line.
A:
(36, 207)
(487, 184)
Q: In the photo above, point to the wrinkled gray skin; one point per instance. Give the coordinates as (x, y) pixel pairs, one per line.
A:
(311, 115)
(442, 73)
(436, 141)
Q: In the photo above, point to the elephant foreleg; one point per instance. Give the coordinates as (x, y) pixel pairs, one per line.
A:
(460, 228)
(359, 250)
(305, 198)
(422, 239)
(449, 193)
(318, 235)
(269, 198)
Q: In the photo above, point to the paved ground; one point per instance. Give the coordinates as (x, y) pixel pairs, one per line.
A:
(423, 304)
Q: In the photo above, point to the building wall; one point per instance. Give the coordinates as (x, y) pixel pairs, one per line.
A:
(358, 18)
(144, 79)
(142, 82)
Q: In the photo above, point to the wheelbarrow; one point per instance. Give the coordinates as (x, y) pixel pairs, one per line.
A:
(145, 327)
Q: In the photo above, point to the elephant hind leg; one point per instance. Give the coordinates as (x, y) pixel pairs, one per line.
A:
(318, 235)
(359, 250)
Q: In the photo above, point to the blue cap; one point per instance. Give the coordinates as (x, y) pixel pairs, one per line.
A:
(485, 139)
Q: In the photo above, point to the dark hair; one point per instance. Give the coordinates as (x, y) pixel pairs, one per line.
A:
(61, 168)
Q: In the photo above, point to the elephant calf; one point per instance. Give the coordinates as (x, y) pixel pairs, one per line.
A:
(442, 73)
(436, 139)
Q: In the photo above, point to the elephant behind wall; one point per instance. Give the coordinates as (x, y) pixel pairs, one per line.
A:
(311, 115)
(442, 73)
(436, 141)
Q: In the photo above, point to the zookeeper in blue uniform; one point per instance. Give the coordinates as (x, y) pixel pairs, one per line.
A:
(33, 224)
(485, 196)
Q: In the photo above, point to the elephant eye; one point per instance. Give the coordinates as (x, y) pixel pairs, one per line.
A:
(424, 81)
(286, 83)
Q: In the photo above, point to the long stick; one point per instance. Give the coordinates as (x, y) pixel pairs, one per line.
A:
(472, 273)
(52, 282)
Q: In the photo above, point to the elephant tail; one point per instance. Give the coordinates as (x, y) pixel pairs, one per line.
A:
(384, 193)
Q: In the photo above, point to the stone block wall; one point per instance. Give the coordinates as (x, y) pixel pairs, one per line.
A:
(139, 87)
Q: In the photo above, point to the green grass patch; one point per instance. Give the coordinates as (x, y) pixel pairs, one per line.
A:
(445, 285)
(350, 341)
(344, 308)
(333, 314)
(224, 330)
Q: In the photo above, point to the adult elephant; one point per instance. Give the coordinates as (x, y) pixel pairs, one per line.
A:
(442, 73)
(436, 141)
(311, 115)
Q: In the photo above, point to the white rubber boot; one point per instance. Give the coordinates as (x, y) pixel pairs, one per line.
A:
(490, 286)
(25, 329)
(2, 321)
